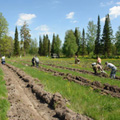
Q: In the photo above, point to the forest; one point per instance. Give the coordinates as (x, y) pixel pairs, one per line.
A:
(92, 42)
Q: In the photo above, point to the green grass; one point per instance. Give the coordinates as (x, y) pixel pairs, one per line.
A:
(4, 104)
(82, 99)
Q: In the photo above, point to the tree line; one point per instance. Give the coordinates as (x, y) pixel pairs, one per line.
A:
(91, 42)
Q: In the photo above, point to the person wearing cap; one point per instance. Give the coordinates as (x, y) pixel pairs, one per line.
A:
(113, 67)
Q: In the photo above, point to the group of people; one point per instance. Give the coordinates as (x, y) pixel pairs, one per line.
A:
(97, 66)
(35, 60)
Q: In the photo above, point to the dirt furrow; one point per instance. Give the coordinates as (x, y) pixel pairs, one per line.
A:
(24, 105)
(32, 102)
(105, 89)
(81, 71)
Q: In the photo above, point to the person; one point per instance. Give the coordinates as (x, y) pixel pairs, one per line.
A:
(113, 67)
(36, 61)
(33, 61)
(97, 67)
(77, 61)
(3, 60)
(99, 60)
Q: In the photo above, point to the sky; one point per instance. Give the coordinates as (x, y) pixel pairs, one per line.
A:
(58, 16)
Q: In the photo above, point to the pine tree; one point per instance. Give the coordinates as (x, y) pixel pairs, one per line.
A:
(57, 45)
(40, 46)
(25, 38)
(117, 44)
(16, 43)
(97, 41)
(107, 37)
(49, 48)
(53, 45)
(45, 45)
(83, 42)
(77, 35)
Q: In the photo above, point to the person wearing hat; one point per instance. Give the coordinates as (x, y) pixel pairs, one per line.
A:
(113, 67)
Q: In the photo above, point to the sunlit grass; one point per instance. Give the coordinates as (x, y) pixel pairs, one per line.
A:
(82, 99)
(4, 104)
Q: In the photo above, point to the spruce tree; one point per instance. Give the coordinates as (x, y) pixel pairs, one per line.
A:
(97, 41)
(16, 43)
(40, 52)
(107, 37)
(77, 35)
(53, 45)
(83, 42)
(45, 45)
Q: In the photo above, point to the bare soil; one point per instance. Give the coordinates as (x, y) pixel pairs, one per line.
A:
(29, 101)
(24, 105)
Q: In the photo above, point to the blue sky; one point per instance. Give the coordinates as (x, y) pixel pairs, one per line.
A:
(58, 16)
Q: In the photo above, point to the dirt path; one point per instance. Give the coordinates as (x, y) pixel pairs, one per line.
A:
(24, 105)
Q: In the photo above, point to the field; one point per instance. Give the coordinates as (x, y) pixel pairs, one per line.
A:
(95, 96)
(4, 104)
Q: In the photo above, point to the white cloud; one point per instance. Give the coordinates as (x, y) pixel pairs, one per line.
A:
(44, 28)
(25, 17)
(114, 12)
(70, 15)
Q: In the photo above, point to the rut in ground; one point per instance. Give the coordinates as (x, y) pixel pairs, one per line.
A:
(23, 104)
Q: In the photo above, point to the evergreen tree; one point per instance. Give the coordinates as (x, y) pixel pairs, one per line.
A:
(70, 47)
(25, 38)
(77, 35)
(45, 46)
(16, 43)
(97, 41)
(40, 52)
(49, 48)
(107, 37)
(57, 45)
(117, 44)
(83, 42)
(53, 45)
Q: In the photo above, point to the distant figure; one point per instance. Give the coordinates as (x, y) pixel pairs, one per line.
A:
(36, 61)
(97, 67)
(3, 60)
(33, 61)
(99, 60)
(77, 61)
(113, 67)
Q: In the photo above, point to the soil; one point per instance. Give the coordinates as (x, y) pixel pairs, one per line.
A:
(24, 105)
(29, 101)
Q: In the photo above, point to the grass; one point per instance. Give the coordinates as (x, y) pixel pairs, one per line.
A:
(4, 104)
(82, 99)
